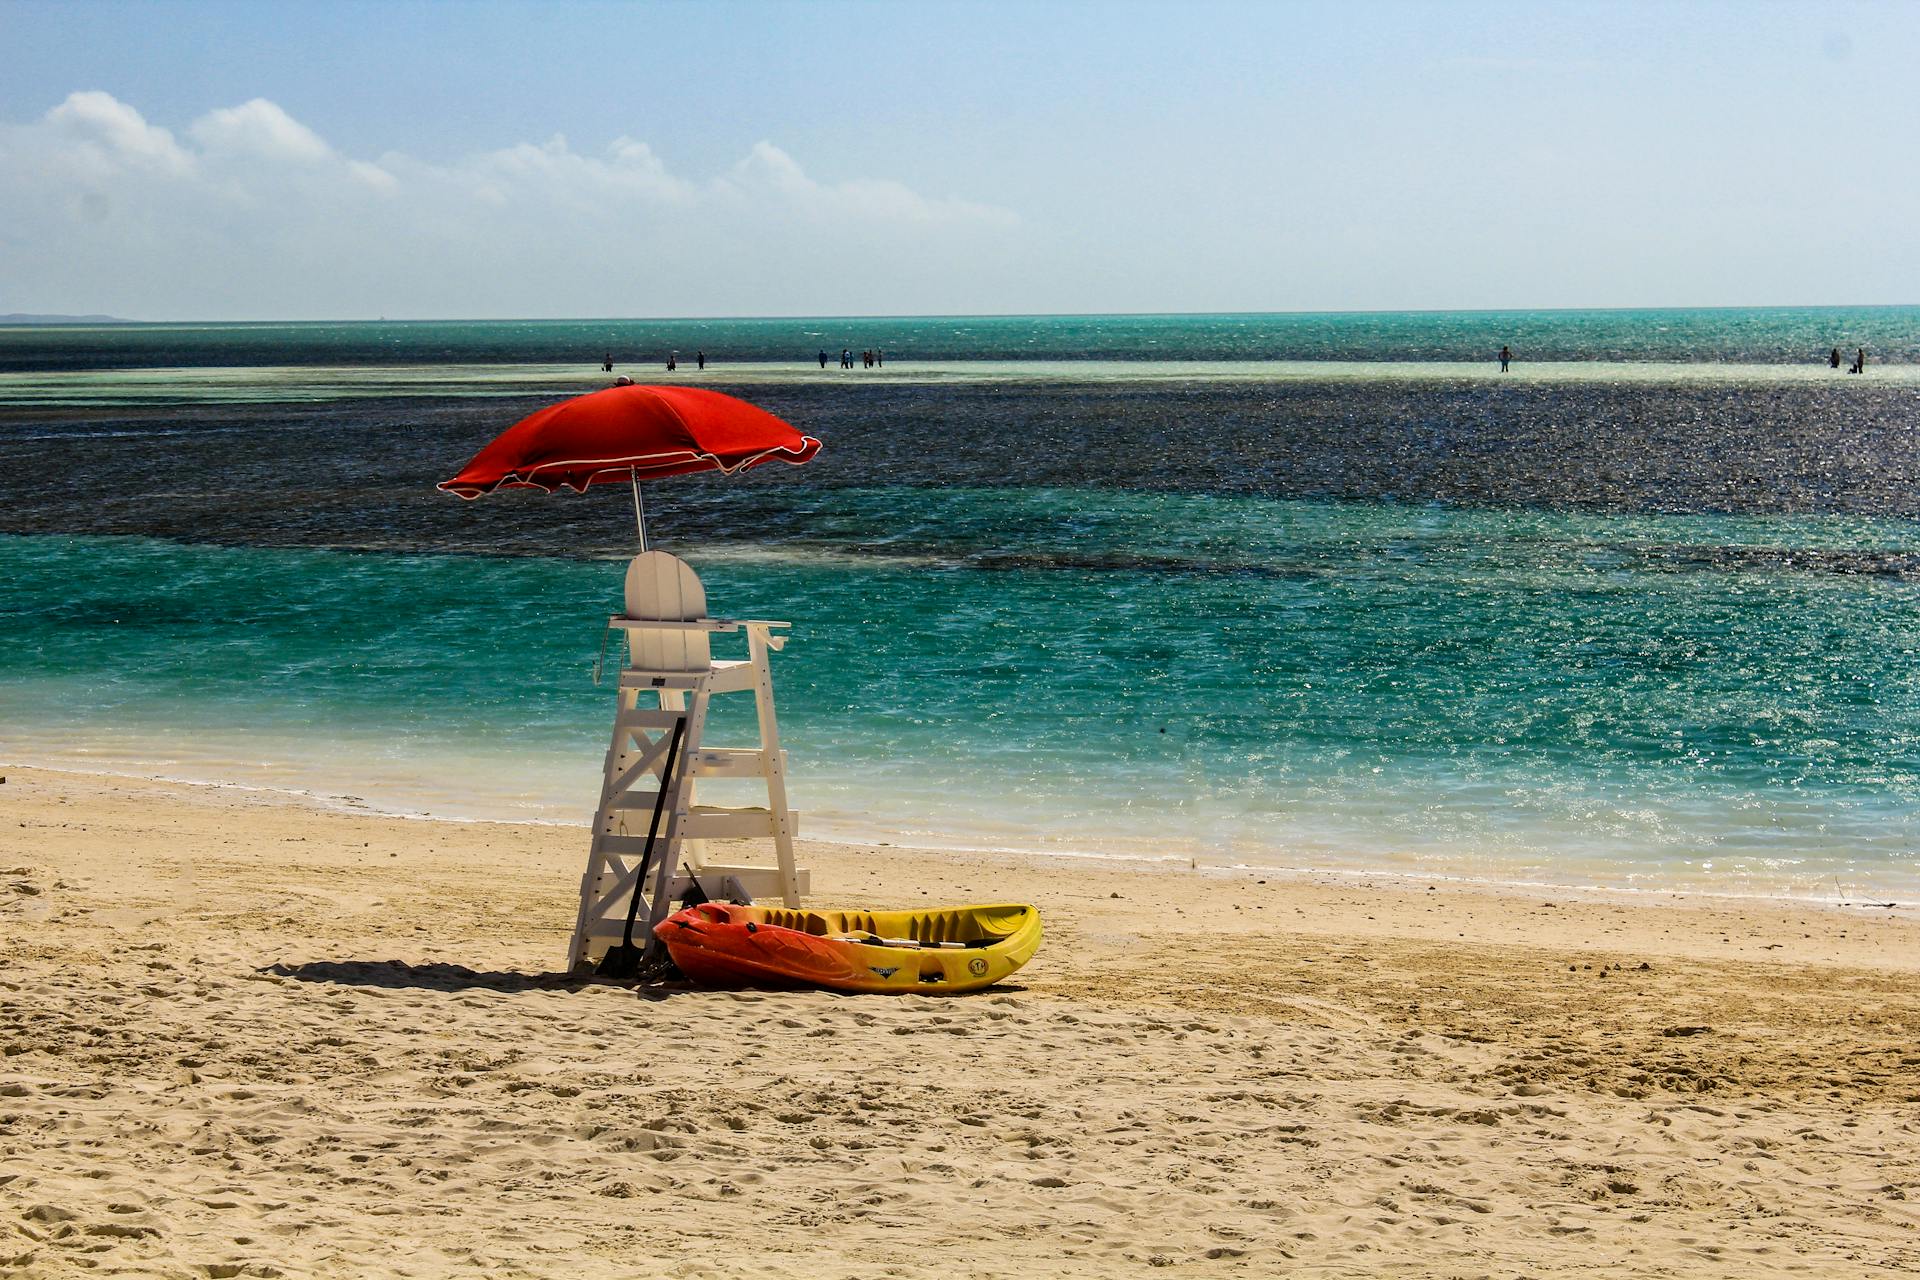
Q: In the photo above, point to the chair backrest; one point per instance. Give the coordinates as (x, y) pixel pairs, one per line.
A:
(664, 588)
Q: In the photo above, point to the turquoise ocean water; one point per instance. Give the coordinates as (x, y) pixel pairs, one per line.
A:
(1642, 620)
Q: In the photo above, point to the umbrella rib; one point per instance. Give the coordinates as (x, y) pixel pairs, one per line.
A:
(600, 465)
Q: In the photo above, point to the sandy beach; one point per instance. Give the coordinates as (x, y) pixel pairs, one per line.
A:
(250, 1036)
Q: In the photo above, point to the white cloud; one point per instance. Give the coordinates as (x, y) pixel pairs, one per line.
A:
(259, 128)
(256, 215)
(98, 133)
(372, 175)
(767, 170)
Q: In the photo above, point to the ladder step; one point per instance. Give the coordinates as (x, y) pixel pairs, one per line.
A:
(629, 846)
(728, 764)
(702, 822)
(707, 762)
(710, 822)
(626, 801)
(731, 762)
(759, 882)
(647, 718)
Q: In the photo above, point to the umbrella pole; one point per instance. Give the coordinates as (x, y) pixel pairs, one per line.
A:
(639, 509)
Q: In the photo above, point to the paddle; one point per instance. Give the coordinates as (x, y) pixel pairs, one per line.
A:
(623, 961)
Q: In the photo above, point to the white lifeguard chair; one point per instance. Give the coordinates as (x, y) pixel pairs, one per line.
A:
(666, 680)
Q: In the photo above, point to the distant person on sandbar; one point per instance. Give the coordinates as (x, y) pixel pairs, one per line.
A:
(823, 358)
(1506, 358)
(700, 358)
(672, 364)
(879, 359)
(1833, 361)
(1860, 361)
(606, 366)
(846, 357)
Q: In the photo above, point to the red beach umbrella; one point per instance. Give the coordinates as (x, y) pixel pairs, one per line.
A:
(631, 433)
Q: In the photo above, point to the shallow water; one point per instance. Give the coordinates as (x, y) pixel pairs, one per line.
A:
(1503, 694)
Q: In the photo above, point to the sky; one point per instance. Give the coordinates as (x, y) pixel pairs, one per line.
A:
(341, 160)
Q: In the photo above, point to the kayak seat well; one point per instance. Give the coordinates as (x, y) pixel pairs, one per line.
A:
(936, 928)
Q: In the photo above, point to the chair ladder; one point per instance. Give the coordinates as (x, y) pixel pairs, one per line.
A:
(636, 760)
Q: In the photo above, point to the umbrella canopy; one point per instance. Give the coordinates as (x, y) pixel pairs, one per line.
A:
(630, 433)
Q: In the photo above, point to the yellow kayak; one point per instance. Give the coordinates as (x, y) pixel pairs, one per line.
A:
(942, 949)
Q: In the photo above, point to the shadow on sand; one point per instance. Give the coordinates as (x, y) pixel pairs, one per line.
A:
(457, 977)
(449, 977)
